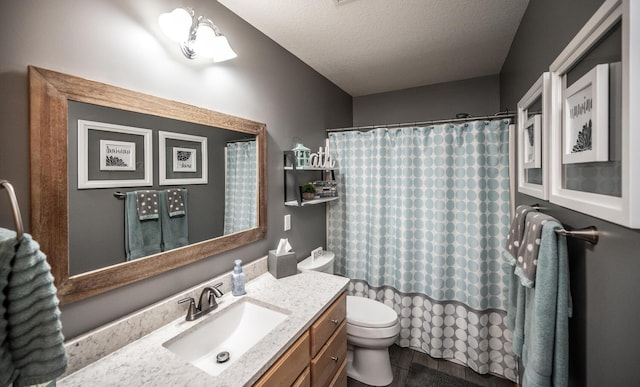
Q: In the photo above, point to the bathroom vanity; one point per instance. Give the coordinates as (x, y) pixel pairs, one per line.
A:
(319, 357)
(307, 348)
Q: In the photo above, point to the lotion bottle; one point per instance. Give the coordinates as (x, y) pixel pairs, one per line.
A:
(237, 279)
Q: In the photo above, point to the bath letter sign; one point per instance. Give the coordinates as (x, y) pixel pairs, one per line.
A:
(322, 159)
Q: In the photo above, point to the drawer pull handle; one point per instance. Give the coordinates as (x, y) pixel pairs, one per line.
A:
(335, 321)
(335, 358)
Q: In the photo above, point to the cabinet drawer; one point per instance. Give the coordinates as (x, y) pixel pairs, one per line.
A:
(304, 380)
(327, 324)
(328, 362)
(340, 380)
(287, 369)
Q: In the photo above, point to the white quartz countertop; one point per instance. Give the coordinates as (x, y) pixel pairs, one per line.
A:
(145, 362)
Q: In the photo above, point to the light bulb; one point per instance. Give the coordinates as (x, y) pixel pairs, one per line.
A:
(222, 50)
(176, 24)
(204, 45)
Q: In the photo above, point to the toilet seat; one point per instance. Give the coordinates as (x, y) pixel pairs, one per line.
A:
(373, 333)
(367, 313)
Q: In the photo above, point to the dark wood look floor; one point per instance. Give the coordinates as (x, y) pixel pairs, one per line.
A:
(403, 358)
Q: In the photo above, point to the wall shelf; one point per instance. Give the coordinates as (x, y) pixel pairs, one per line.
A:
(294, 203)
(291, 168)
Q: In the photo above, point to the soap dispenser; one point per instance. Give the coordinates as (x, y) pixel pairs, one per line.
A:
(237, 279)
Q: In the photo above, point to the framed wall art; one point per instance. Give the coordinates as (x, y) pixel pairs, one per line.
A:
(533, 139)
(182, 159)
(532, 148)
(117, 155)
(112, 155)
(185, 159)
(586, 117)
(594, 155)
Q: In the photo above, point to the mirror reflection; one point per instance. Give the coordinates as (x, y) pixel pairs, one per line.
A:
(227, 204)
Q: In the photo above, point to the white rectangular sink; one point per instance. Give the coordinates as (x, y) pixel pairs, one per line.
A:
(234, 330)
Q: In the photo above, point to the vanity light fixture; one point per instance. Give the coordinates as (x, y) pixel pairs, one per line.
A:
(197, 36)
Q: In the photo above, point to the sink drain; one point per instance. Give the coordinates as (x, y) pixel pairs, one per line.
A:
(222, 357)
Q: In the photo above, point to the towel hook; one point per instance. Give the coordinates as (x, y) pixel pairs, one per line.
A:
(17, 218)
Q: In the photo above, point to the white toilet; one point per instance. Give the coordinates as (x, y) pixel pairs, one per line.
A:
(372, 327)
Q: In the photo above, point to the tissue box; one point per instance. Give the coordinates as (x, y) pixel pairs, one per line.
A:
(282, 265)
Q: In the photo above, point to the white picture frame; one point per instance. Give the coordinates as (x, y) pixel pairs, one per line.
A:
(622, 209)
(540, 90)
(170, 171)
(530, 136)
(93, 171)
(585, 110)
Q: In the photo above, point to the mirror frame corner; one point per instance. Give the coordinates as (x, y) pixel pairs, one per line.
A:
(49, 93)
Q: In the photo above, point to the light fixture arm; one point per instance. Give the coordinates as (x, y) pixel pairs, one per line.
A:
(187, 46)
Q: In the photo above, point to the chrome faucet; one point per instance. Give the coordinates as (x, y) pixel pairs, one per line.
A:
(206, 304)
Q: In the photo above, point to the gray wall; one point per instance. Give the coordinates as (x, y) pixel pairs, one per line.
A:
(119, 42)
(477, 96)
(604, 327)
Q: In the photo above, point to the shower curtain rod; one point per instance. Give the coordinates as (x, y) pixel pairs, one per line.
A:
(241, 140)
(498, 115)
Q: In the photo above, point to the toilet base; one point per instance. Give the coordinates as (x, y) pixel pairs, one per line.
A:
(369, 366)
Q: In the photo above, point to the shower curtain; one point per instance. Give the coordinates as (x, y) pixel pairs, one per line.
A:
(241, 178)
(420, 224)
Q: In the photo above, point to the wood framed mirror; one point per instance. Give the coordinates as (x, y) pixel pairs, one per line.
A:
(51, 93)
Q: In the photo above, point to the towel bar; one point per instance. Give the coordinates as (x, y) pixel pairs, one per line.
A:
(589, 234)
(123, 195)
(14, 207)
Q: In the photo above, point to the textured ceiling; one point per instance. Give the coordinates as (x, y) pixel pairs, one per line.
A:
(373, 46)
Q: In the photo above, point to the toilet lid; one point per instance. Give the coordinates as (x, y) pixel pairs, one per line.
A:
(369, 313)
(318, 264)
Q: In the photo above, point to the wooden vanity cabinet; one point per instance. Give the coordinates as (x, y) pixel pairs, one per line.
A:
(304, 380)
(330, 359)
(319, 357)
(286, 371)
(327, 324)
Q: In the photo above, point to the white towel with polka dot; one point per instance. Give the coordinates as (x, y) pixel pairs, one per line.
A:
(527, 258)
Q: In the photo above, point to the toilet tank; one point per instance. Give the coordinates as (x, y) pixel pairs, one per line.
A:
(323, 263)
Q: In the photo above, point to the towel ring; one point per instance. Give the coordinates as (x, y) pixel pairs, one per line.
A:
(17, 218)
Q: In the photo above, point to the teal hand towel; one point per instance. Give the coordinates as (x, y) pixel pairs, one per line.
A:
(539, 316)
(32, 325)
(175, 229)
(546, 353)
(142, 237)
